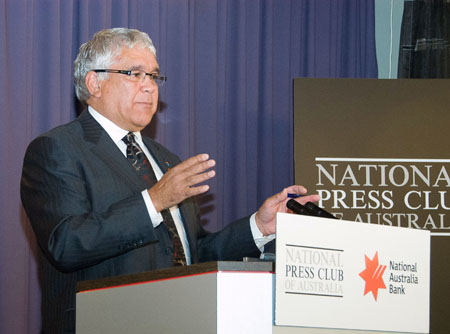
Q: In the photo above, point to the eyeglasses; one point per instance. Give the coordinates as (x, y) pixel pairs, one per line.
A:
(138, 75)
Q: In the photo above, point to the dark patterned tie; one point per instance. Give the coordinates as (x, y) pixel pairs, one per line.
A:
(139, 161)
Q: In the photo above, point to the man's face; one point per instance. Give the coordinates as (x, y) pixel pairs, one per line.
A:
(130, 105)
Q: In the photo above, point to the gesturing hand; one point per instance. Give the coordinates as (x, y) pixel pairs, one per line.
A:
(265, 217)
(179, 182)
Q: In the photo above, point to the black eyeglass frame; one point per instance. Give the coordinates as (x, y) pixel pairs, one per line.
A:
(159, 79)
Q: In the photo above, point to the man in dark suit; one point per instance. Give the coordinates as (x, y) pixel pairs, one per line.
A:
(92, 210)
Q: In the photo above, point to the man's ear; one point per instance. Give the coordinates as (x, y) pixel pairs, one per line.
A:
(93, 84)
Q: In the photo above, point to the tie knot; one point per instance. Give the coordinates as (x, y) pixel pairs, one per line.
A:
(129, 138)
(133, 149)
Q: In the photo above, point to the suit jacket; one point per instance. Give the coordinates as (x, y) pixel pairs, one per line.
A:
(84, 202)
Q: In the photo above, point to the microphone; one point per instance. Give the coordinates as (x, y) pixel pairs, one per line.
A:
(318, 212)
(297, 208)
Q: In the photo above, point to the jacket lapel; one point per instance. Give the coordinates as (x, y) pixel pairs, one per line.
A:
(164, 162)
(106, 150)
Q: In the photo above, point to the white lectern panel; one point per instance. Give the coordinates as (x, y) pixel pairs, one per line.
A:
(346, 275)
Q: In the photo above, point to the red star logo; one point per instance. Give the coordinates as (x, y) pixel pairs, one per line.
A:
(373, 276)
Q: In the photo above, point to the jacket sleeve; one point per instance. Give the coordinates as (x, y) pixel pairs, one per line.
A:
(233, 243)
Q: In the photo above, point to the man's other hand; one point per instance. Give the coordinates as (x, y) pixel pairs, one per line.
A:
(265, 217)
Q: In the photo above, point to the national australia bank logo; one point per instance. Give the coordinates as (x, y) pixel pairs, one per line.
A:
(373, 276)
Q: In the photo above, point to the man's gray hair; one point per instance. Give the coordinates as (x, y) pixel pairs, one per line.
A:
(100, 51)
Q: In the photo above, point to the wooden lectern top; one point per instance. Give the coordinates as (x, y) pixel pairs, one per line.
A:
(173, 272)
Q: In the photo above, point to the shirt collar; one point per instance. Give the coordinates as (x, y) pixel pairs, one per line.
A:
(112, 129)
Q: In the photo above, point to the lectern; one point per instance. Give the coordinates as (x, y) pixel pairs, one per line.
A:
(332, 277)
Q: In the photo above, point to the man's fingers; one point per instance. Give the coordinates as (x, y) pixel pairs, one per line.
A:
(309, 198)
(193, 175)
(295, 189)
(194, 191)
(200, 160)
(199, 178)
(200, 167)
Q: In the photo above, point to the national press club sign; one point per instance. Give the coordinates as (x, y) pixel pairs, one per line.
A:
(412, 193)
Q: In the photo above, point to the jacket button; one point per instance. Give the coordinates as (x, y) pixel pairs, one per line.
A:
(169, 250)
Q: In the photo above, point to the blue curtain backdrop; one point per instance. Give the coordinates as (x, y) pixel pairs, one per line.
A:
(230, 66)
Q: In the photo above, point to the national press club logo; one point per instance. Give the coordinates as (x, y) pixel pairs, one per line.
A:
(400, 276)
